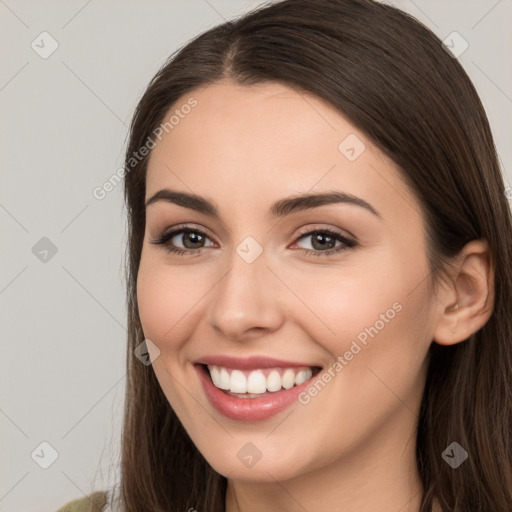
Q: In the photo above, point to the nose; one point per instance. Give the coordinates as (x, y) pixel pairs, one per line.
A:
(245, 302)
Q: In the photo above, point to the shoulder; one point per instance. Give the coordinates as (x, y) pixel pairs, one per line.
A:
(95, 502)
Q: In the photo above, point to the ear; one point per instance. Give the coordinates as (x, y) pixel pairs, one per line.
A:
(467, 304)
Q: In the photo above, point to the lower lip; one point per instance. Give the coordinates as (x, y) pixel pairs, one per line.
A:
(249, 409)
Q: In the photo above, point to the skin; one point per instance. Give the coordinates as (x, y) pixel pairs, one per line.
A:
(352, 446)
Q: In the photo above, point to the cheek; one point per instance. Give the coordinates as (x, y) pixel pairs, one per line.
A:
(373, 318)
(171, 300)
(383, 338)
(160, 301)
(337, 305)
(163, 315)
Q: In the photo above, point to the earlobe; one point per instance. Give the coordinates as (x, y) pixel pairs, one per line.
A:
(473, 289)
(447, 331)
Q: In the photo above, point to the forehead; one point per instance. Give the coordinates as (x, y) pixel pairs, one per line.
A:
(245, 146)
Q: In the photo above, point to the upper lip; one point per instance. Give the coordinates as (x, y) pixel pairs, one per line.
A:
(249, 363)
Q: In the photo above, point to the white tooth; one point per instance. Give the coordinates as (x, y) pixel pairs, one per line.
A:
(288, 379)
(256, 382)
(303, 376)
(300, 377)
(224, 379)
(274, 381)
(237, 382)
(214, 374)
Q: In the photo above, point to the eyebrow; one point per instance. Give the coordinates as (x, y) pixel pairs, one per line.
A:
(280, 208)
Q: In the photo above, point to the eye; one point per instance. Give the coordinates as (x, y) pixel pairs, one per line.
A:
(191, 238)
(323, 241)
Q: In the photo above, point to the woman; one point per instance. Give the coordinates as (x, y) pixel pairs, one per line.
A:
(319, 273)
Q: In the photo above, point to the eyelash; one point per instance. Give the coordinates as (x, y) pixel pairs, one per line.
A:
(346, 243)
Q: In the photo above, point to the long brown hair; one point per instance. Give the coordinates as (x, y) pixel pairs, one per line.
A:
(392, 79)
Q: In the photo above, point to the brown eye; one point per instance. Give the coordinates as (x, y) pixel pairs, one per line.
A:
(323, 242)
(192, 239)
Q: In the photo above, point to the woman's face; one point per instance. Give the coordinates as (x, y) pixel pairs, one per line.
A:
(261, 278)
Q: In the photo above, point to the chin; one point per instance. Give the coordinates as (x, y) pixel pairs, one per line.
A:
(250, 461)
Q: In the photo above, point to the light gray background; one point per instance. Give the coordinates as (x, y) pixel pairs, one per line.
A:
(63, 126)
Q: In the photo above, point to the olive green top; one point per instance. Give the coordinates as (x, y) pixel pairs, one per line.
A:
(92, 503)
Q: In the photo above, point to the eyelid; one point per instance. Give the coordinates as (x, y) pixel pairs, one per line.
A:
(342, 233)
(307, 230)
(174, 230)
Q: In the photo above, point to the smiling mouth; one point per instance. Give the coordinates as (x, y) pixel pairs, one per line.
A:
(259, 382)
